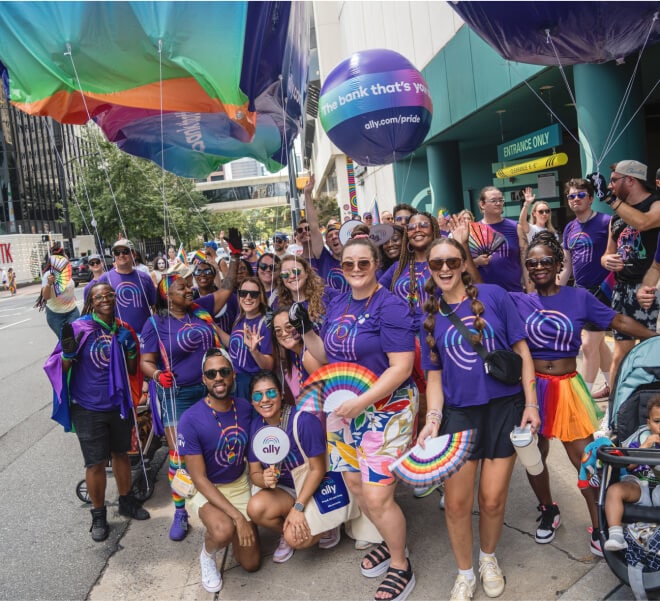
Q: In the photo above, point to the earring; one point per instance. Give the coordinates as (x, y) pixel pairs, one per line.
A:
(410, 250)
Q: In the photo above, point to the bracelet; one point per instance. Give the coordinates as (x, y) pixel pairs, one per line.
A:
(131, 354)
(617, 206)
(68, 357)
(530, 406)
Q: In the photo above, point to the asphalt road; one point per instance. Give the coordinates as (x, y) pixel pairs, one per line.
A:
(47, 552)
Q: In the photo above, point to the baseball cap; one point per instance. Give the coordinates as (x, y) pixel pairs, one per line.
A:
(211, 244)
(97, 257)
(632, 169)
(365, 215)
(281, 235)
(123, 243)
(657, 174)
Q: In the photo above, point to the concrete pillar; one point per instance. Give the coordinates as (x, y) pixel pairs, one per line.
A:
(599, 90)
(445, 176)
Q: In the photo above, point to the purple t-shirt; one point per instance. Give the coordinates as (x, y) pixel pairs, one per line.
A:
(656, 257)
(363, 331)
(222, 440)
(136, 294)
(226, 317)
(330, 270)
(464, 381)
(240, 355)
(90, 373)
(504, 268)
(185, 341)
(312, 438)
(87, 288)
(402, 286)
(554, 323)
(587, 243)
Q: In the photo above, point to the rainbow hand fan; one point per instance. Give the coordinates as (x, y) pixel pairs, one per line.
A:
(483, 239)
(331, 385)
(442, 457)
(61, 268)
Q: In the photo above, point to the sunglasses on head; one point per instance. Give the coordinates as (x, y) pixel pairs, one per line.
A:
(121, 251)
(250, 293)
(300, 230)
(543, 262)
(421, 225)
(362, 265)
(579, 195)
(95, 262)
(258, 396)
(543, 211)
(212, 374)
(101, 297)
(296, 271)
(266, 266)
(199, 272)
(451, 263)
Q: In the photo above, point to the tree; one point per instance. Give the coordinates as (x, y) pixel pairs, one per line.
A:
(327, 208)
(126, 194)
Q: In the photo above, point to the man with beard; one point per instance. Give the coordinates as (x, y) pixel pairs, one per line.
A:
(213, 438)
(631, 247)
(280, 244)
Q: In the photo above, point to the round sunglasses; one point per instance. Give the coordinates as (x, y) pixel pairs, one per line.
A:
(258, 396)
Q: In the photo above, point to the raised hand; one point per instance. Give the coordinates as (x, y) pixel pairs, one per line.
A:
(299, 318)
(69, 341)
(234, 242)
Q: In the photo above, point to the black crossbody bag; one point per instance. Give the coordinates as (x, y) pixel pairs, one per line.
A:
(504, 366)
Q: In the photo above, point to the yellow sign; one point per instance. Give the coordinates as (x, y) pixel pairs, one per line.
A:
(540, 164)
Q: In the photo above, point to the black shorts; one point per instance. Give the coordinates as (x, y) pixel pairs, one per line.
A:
(101, 433)
(493, 421)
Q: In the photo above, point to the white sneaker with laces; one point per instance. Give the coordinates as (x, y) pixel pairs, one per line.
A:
(211, 578)
(463, 588)
(492, 579)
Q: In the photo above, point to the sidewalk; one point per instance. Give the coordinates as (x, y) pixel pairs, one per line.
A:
(148, 566)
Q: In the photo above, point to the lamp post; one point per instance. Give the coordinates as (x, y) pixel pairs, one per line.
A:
(61, 181)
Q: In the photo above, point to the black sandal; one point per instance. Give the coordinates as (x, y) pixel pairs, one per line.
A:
(398, 583)
(379, 557)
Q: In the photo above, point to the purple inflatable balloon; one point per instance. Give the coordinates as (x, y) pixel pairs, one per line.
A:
(376, 107)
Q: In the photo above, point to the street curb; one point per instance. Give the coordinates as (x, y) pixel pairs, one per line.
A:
(598, 584)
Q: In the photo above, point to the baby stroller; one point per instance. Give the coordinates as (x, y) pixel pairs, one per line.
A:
(638, 380)
(144, 446)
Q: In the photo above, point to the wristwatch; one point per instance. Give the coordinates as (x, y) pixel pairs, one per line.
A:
(298, 506)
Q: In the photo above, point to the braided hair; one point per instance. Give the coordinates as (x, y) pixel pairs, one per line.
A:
(87, 307)
(432, 305)
(408, 258)
(550, 241)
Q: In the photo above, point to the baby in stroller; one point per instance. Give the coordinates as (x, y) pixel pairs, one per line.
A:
(638, 486)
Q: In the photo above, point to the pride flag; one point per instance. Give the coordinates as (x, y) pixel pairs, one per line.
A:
(182, 257)
(375, 213)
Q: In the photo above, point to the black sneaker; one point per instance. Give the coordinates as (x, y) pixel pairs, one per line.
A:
(549, 521)
(100, 528)
(130, 507)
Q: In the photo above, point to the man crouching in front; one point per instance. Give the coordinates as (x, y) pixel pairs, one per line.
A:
(213, 438)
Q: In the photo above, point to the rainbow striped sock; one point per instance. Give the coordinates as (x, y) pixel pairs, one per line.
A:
(175, 463)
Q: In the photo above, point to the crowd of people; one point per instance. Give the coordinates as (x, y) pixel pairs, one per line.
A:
(226, 345)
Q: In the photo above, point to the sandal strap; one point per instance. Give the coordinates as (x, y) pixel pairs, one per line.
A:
(395, 581)
(377, 555)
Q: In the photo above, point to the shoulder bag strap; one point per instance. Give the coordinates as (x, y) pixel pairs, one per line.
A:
(295, 436)
(462, 328)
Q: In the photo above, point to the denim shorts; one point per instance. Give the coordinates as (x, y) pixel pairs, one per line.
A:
(174, 401)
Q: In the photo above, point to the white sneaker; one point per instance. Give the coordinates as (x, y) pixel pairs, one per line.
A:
(615, 542)
(283, 552)
(330, 539)
(211, 579)
(492, 579)
(463, 588)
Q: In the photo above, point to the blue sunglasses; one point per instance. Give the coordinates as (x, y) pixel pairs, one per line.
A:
(258, 396)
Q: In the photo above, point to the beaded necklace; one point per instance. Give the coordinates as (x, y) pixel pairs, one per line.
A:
(454, 309)
(342, 335)
(297, 361)
(231, 453)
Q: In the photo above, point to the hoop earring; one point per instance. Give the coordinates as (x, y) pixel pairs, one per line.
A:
(410, 250)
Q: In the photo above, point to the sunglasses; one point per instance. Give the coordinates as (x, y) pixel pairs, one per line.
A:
(543, 211)
(451, 263)
(296, 271)
(266, 266)
(204, 272)
(543, 262)
(121, 251)
(402, 219)
(101, 297)
(421, 225)
(250, 293)
(577, 195)
(278, 240)
(362, 265)
(300, 230)
(614, 180)
(94, 263)
(258, 396)
(287, 329)
(212, 374)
